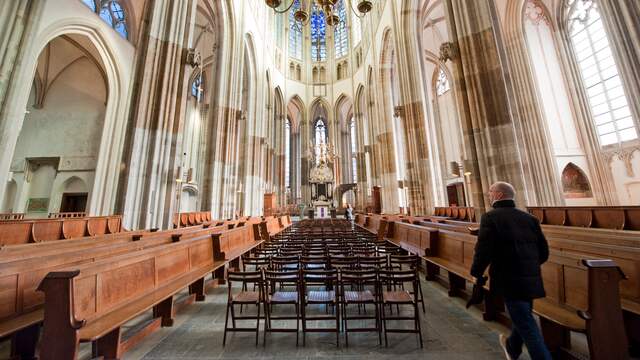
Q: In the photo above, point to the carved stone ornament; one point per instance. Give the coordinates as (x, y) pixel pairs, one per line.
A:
(448, 51)
(194, 58)
(626, 156)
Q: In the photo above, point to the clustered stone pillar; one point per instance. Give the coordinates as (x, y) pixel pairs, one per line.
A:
(21, 16)
(153, 154)
(482, 98)
(541, 176)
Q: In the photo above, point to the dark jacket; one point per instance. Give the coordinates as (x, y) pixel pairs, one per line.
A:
(512, 242)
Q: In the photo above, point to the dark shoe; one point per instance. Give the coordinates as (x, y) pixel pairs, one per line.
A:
(503, 345)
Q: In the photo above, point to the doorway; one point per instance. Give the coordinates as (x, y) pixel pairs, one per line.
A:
(455, 194)
(73, 202)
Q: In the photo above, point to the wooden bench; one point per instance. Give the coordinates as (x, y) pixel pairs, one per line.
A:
(27, 231)
(113, 291)
(600, 318)
(413, 238)
(602, 217)
(24, 266)
(92, 301)
(454, 212)
(565, 277)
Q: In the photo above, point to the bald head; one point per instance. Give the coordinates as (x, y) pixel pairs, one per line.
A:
(501, 191)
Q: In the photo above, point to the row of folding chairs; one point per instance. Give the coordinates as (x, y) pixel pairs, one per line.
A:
(341, 290)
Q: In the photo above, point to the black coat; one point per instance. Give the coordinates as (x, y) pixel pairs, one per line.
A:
(512, 242)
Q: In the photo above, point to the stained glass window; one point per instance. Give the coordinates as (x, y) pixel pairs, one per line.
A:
(318, 34)
(196, 87)
(287, 153)
(295, 33)
(341, 37)
(354, 150)
(320, 138)
(607, 98)
(111, 12)
(278, 30)
(356, 28)
(91, 4)
(442, 84)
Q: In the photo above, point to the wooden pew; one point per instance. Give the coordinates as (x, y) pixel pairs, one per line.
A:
(92, 301)
(413, 238)
(565, 277)
(24, 266)
(601, 217)
(175, 266)
(27, 231)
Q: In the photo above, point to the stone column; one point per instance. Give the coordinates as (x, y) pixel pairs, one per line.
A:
(153, 153)
(17, 22)
(483, 100)
(540, 170)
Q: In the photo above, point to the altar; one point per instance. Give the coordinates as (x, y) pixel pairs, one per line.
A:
(322, 209)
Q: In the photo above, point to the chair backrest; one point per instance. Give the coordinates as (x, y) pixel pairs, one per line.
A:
(243, 277)
(379, 262)
(358, 277)
(280, 262)
(317, 261)
(255, 261)
(277, 279)
(400, 277)
(327, 277)
(404, 261)
(344, 262)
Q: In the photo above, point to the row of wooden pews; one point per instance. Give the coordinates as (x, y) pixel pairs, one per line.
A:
(15, 232)
(85, 289)
(592, 277)
(599, 217)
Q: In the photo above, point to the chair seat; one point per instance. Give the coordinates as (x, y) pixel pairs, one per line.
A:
(247, 297)
(321, 296)
(284, 296)
(397, 297)
(358, 296)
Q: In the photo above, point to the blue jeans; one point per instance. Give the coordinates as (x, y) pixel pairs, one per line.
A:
(525, 331)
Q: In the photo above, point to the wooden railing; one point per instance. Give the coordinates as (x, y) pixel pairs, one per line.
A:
(11, 216)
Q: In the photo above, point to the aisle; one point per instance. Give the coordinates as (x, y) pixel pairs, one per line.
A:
(450, 332)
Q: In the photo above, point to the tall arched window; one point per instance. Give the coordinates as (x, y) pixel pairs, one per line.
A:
(340, 35)
(600, 75)
(112, 13)
(442, 84)
(197, 87)
(278, 31)
(91, 4)
(318, 35)
(356, 29)
(354, 150)
(287, 153)
(320, 136)
(295, 33)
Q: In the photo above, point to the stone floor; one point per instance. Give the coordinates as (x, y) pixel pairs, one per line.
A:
(449, 331)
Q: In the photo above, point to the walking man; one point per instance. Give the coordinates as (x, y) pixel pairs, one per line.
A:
(512, 243)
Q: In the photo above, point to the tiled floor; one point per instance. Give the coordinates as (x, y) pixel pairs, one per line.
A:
(449, 332)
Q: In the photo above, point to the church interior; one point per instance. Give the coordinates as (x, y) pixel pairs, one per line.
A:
(175, 175)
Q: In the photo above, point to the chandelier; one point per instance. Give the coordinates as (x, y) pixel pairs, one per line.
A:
(328, 6)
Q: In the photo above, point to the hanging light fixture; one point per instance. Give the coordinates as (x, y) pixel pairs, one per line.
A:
(301, 15)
